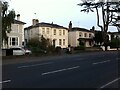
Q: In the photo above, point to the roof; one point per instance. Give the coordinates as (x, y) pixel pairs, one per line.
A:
(18, 22)
(43, 24)
(115, 32)
(80, 29)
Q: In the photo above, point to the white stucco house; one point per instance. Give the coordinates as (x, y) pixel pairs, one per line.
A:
(78, 36)
(16, 35)
(58, 35)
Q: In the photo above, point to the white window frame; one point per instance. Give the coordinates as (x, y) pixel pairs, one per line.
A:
(16, 42)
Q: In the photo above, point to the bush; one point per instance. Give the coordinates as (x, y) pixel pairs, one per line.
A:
(58, 49)
(38, 50)
(79, 48)
(51, 49)
(115, 43)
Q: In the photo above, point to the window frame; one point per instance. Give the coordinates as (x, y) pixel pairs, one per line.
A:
(14, 43)
(60, 42)
(54, 32)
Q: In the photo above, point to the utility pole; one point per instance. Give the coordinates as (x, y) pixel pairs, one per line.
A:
(0, 44)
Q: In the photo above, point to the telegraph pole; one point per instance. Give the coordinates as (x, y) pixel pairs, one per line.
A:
(0, 44)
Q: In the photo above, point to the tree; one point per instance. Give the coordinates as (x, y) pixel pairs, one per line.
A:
(44, 42)
(116, 18)
(7, 20)
(107, 14)
(98, 37)
(115, 43)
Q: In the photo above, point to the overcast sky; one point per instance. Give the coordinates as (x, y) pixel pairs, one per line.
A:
(57, 11)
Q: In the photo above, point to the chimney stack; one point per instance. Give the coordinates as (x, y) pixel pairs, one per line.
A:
(18, 17)
(35, 21)
(70, 26)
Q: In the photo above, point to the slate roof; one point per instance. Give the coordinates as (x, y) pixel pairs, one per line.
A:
(80, 29)
(43, 24)
(18, 22)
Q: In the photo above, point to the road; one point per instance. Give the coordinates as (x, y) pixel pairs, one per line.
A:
(89, 70)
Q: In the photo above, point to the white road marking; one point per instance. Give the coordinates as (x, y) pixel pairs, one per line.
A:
(101, 62)
(110, 83)
(60, 70)
(6, 81)
(35, 65)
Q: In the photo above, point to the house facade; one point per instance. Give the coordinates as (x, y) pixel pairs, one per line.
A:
(16, 35)
(80, 36)
(57, 35)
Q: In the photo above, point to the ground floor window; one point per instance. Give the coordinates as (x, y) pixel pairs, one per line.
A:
(13, 41)
(60, 41)
(63, 41)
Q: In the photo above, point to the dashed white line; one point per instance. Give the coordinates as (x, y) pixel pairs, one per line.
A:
(6, 81)
(35, 65)
(60, 70)
(101, 62)
(110, 83)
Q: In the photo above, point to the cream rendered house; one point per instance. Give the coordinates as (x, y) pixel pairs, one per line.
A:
(57, 35)
(16, 36)
(77, 36)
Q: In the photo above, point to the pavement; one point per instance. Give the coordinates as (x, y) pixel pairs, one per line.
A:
(33, 58)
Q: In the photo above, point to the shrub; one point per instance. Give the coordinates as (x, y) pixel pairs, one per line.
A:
(79, 48)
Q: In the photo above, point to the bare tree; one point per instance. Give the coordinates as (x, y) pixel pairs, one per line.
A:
(106, 8)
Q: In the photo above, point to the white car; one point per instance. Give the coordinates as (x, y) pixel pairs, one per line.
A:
(18, 51)
(27, 51)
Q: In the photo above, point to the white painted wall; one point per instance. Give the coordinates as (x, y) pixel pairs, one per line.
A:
(37, 32)
(17, 30)
(75, 35)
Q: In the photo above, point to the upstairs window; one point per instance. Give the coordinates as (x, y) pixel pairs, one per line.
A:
(47, 30)
(60, 32)
(63, 32)
(54, 32)
(80, 34)
(90, 35)
(43, 30)
(85, 35)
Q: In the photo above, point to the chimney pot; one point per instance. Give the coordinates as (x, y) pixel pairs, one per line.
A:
(18, 17)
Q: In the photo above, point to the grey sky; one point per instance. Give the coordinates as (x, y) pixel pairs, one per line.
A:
(57, 11)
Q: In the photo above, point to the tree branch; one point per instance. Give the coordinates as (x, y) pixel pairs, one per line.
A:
(98, 22)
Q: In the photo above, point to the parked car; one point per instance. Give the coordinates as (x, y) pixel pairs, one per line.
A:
(18, 51)
(27, 51)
